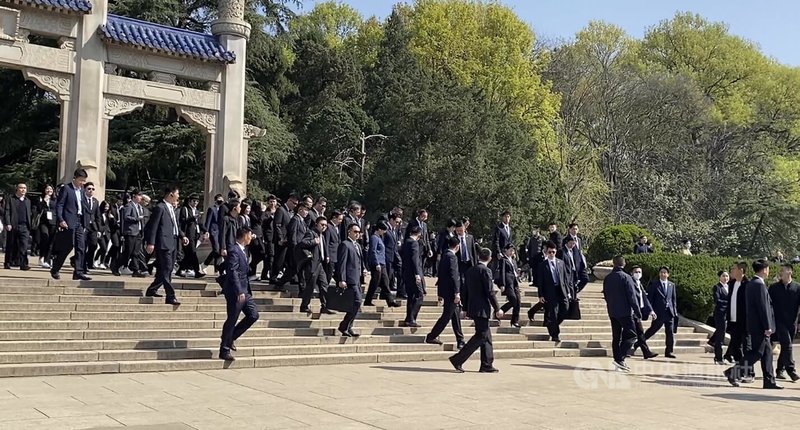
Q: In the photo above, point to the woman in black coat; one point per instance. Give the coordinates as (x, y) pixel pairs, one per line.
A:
(46, 213)
(720, 311)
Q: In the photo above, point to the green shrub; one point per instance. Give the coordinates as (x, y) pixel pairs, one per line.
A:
(615, 240)
(694, 277)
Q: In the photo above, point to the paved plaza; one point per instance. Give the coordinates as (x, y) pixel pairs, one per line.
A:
(557, 393)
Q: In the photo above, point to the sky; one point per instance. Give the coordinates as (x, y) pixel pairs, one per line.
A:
(771, 25)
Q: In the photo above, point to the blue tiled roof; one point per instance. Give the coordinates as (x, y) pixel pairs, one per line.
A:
(82, 6)
(170, 40)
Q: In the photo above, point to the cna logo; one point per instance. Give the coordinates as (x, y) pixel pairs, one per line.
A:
(588, 376)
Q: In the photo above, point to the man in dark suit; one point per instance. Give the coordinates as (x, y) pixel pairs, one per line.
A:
(349, 269)
(534, 249)
(662, 296)
(720, 294)
(377, 263)
(314, 242)
(785, 297)
(392, 244)
(161, 235)
(467, 250)
(555, 236)
(71, 215)
(283, 214)
(268, 228)
(623, 308)
(552, 286)
(478, 299)
(295, 233)
(737, 313)
(92, 225)
(506, 278)
(212, 229)
(17, 221)
(642, 247)
(572, 233)
(426, 251)
(646, 312)
(501, 235)
(573, 260)
(228, 226)
(449, 291)
(412, 276)
(132, 228)
(192, 229)
(332, 239)
(238, 296)
(441, 238)
(760, 326)
(318, 210)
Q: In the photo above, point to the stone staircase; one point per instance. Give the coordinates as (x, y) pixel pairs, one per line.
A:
(63, 327)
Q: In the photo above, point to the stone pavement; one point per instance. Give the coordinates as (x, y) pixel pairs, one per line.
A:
(554, 393)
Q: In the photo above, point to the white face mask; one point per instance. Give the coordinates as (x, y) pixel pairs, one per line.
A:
(637, 276)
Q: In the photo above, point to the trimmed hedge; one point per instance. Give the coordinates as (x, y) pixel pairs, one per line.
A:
(694, 277)
(616, 240)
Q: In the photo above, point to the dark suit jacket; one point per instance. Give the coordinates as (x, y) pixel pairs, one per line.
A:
(130, 220)
(760, 316)
(619, 291)
(741, 301)
(189, 224)
(441, 241)
(411, 260)
(236, 279)
(296, 230)
(506, 273)
(227, 231)
(664, 302)
(785, 303)
(500, 238)
(332, 239)
(390, 241)
(424, 238)
(647, 308)
(534, 250)
(477, 295)
(720, 300)
(43, 207)
(280, 224)
(545, 285)
(160, 230)
(376, 255)
(212, 221)
(67, 207)
(578, 276)
(12, 216)
(309, 244)
(555, 237)
(449, 282)
(93, 215)
(350, 265)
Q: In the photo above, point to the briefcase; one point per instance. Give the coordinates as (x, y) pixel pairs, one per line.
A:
(341, 299)
(574, 312)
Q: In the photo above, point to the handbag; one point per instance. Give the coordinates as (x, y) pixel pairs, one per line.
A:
(341, 299)
(574, 312)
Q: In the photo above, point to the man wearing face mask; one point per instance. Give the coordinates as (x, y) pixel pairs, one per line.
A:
(646, 311)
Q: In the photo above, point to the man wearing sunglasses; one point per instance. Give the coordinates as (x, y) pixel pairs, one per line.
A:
(551, 281)
(350, 268)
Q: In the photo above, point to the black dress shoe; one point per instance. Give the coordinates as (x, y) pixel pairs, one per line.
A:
(488, 370)
(670, 355)
(7, 266)
(345, 333)
(25, 268)
(794, 377)
(515, 325)
(153, 295)
(199, 275)
(327, 311)
(394, 305)
(305, 311)
(368, 304)
(650, 355)
(413, 325)
(116, 273)
(556, 339)
(460, 345)
(780, 375)
(138, 275)
(435, 341)
(402, 296)
(55, 275)
(81, 277)
(227, 357)
(773, 387)
(458, 367)
(353, 334)
(173, 302)
(729, 376)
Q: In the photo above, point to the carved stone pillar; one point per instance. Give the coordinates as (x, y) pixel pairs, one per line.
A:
(60, 85)
(206, 120)
(85, 137)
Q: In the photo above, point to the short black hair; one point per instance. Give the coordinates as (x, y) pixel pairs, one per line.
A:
(619, 261)
(169, 189)
(760, 265)
(80, 173)
(453, 242)
(351, 226)
(415, 230)
(381, 225)
(465, 219)
(459, 224)
(550, 245)
(393, 216)
(741, 265)
(788, 266)
(335, 213)
(484, 254)
(232, 203)
(218, 196)
(242, 231)
(272, 197)
(721, 272)
(664, 268)
(422, 211)
(88, 184)
(505, 212)
(321, 199)
(574, 224)
(451, 223)
(634, 267)
(508, 246)
(320, 218)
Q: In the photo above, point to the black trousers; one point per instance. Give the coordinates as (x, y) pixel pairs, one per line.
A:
(623, 335)
(378, 279)
(91, 248)
(190, 260)
(257, 255)
(641, 342)
(555, 310)
(415, 297)
(330, 267)
(231, 330)
(785, 336)
(667, 323)
(132, 255)
(740, 341)
(718, 338)
(481, 339)
(463, 266)
(761, 351)
(78, 242)
(389, 269)
(315, 277)
(347, 321)
(450, 313)
(279, 262)
(17, 241)
(46, 234)
(401, 283)
(165, 262)
(513, 302)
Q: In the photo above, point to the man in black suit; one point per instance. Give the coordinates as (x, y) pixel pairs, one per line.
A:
(506, 278)
(132, 228)
(332, 239)
(17, 221)
(572, 233)
(238, 296)
(737, 313)
(92, 226)
(420, 221)
(441, 238)
(295, 233)
(192, 229)
(314, 242)
(351, 217)
(501, 235)
(349, 269)
(412, 276)
(785, 296)
(467, 250)
(318, 210)
(212, 229)
(760, 326)
(552, 285)
(555, 236)
(478, 299)
(161, 235)
(573, 260)
(449, 290)
(534, 248)
(228, 226)
(392, 244)
(646, 311)
(642, 247)
(71, 215)
(662, 296)
(283, 214)
(623, 308)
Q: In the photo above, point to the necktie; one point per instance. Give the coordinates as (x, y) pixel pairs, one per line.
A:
(553, 272)
(464, 252)
(91, 205)
(172, 217)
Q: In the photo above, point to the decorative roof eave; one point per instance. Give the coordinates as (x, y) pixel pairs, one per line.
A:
(59, 6)
(164, 40)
